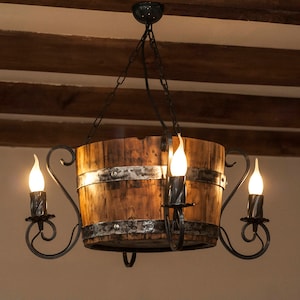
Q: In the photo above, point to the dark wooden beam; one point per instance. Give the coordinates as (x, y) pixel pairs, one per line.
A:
(197, 107)
(264, 11)
(43, 134)
(209, 63)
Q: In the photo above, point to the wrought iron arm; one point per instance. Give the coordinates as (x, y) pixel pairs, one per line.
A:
(254, 222)
(243, 178)
(41, 220)
(264, 245)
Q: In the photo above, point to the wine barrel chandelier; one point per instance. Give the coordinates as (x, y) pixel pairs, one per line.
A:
(138, 195)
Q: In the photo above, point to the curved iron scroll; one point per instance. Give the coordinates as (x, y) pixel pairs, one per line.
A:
(129, 263)
(254, 222)
(173, 226)
(42, 220)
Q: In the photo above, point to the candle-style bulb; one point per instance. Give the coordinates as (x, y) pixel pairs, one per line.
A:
(36, 178)
(179, 163)
(256, 185)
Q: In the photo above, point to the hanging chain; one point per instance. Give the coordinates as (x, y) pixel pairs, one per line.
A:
(163, 81)
(152, 101)
(110, 97)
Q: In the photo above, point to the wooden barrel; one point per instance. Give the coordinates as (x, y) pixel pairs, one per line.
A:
(121, 186)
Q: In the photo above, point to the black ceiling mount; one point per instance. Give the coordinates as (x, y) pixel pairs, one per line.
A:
(148, 12)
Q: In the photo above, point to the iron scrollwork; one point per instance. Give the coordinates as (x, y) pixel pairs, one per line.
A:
(254, 222)
(41, 217)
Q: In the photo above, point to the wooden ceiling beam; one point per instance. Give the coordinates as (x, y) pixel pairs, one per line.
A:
(98, 56)
(196, 107)
(43, 134)
(282, 11)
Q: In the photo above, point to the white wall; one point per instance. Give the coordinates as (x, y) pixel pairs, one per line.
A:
(202, 274)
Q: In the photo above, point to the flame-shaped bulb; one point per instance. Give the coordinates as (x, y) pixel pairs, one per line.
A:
(36, 178)
(179, 163)
(256, 185)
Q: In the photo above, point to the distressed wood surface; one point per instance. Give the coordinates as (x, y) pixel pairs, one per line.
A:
(122, 200)
(48, 134)
(203, 107)
(101, 56)
(128, 200)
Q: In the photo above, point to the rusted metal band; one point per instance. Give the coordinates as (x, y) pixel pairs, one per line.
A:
(147, 173)
(121, 173)
(206, 176)
(102, 229)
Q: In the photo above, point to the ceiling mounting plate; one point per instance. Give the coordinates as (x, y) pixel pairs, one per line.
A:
(147, 12)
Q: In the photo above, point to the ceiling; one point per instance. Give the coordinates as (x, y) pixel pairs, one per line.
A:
(233, 70)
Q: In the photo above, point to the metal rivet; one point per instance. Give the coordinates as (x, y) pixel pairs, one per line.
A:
(114, 174)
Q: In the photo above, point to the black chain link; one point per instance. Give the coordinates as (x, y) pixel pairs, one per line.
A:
(153, 103)
(163, 82)
(110, 97)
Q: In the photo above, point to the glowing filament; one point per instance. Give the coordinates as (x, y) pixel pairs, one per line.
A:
(179, 163)
(36, 178)
(256, 185)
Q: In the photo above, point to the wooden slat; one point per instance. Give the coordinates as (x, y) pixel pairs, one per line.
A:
(265, 11)
(197, 107)
(209, 63)
(42, 134)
